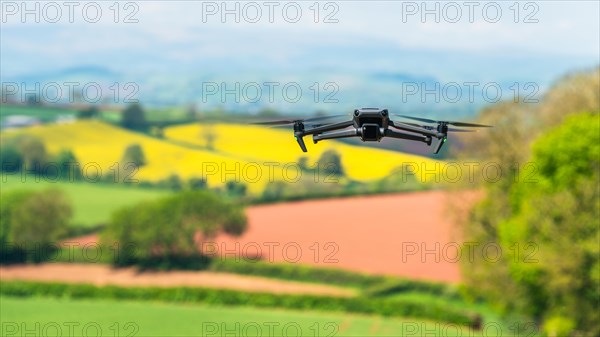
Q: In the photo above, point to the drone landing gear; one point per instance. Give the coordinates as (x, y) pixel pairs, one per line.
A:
(298, 133)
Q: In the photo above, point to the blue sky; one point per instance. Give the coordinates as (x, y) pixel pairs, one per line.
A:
(185, 39)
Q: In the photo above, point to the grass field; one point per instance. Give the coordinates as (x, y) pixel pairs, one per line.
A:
(42, 113)
(160, 319)
(92, 203)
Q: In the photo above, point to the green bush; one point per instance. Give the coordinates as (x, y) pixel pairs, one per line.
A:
(134, 118)
(394, 286)
(168, 227)
(133, 155)
(32, 222)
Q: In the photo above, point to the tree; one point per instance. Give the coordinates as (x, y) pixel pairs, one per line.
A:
(173, 182)
(559, 214)
(134, 118)
(33, 152)
(134, 155)
(88, 113)
(34, 220)
(168, 227)
(303, 163)
(330, 162)
(209, 135)
(548, 231)
(192, 112)
(235, 189)
(11, 159)
(68, 165)
(197, 183)
(555, 215)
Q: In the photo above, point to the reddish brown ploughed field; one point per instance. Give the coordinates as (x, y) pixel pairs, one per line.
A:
(410, 235)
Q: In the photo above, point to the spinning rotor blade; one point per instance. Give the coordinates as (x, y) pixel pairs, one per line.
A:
(305, 125)
(418, 119)
(311, 119)
(288, 121)
(427, 127)
(473, 125)
(280, 122)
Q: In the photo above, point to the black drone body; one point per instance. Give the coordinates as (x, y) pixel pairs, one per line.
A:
(371, 125)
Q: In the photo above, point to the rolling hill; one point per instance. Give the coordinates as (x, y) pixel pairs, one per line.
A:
(250, 154)
(262, 144)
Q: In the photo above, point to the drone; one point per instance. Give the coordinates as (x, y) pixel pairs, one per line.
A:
(371, 125)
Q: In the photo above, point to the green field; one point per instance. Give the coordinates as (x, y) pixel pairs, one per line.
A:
(92, 203)
(42, 113)
(160, 319)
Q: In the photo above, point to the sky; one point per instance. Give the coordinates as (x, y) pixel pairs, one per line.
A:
(272, 40)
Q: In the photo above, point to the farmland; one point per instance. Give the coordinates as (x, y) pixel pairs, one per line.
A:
(92, 203)
(164, 319)
(276, 144)
(99, 147)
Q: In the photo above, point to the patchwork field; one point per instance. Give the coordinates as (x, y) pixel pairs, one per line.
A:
(250, 154)
(389, 234)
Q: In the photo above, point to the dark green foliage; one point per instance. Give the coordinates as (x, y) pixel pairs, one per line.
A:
(32, 222)
(173, 182)
(32, 152)
(197, 184)
(362, 305)
(11, 159)
(134, 155)
(134, 118)
(394, 286)
(330, 163)
(168, 227)
(235, 189)
(559, 214)
(548, 229)
(68, 166)
(88, 113)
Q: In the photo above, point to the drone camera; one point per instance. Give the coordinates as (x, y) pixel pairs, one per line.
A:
(370, 132)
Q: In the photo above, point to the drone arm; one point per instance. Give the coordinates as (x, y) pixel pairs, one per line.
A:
(335, 134)
(403, 135)
(406, 127)
(329, 127)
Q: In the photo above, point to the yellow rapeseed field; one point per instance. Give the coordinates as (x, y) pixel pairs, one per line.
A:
(263, 144)
(101, 145)
(253, 155)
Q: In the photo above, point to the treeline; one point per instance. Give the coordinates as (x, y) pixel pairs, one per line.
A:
(554, 216)
(359, 304)
(26, 154)
(33, 223)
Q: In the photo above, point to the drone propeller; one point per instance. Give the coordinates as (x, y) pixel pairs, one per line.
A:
(288, 121)
(427, 127)
(473, 125)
